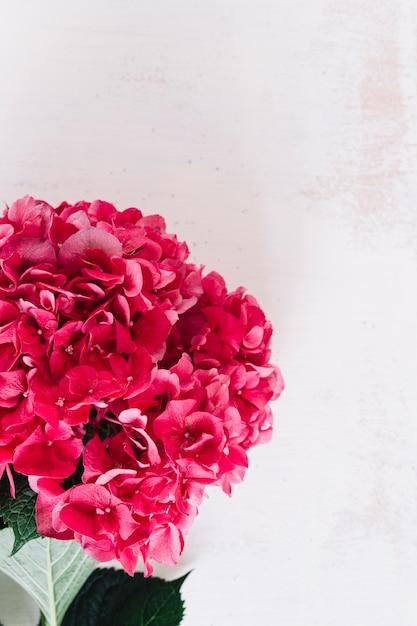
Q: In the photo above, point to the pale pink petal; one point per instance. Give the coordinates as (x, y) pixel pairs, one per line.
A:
(76, 247)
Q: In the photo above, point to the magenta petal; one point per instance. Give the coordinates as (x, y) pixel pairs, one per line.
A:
(30, 217)
(48, 452)
(166, 544)
(133, 278)
(91, 496)
(129, 558)
(254, 337)
(96, 459)
(81, 521)
(12, 385)
(32, 251)
(6, 231)
(82, 379)
(23, 210)
(77, 245)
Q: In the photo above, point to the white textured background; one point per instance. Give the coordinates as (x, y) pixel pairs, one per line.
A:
(279, 139)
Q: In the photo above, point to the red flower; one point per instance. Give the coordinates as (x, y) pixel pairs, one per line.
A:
(48, 451)
(35, 331)
(30, 217)
(188, 433)
(123, 362)
(92, 511)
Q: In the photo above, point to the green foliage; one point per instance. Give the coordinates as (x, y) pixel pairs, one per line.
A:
(18, 513)
(113, 598)
(51, 571)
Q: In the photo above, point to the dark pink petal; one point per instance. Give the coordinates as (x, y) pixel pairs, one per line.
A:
(229, 329)
(81, 519)
(93, 511)
(101, 550)
(8, 355)
(52, 402)
(124, 342)
(31, 252)
(151, 330)
(232, 477)
(153, 221)
(79, 219)
(96, 459)
(46, 504)
(82, 381)
(49, 451)
(128, 217)
(109, 279)
(67, 342)
(60, 231)
(6, 231)
(121, 310)
(47, 402)
(35, 331)
(133, 238)
(16, 420)
(6, 455)
(136, 374)
(31, 217)
(186, 433)
(8, 313)
(12, 385)
(133, 281)
(100, 210)
(142, 446)
(214, 288)
(9, 274)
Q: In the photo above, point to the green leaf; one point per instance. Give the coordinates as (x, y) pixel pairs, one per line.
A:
(51, 571)
(18, 513)
(113, 598)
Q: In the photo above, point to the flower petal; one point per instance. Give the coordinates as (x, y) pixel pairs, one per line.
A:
(76, 247)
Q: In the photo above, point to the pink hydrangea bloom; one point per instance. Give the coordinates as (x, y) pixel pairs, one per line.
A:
(126, 369)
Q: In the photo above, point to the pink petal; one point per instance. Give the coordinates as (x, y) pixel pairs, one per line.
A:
(32, 251)
(49, 452)
(12, 384)
(75, 248)
(165, 544)
(253, 338)
(6, 231)
(133, 278)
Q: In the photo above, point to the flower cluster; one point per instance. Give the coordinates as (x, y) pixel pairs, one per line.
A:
(129, 380)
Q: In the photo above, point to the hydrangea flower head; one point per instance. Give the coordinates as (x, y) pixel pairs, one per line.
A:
(129, 379)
